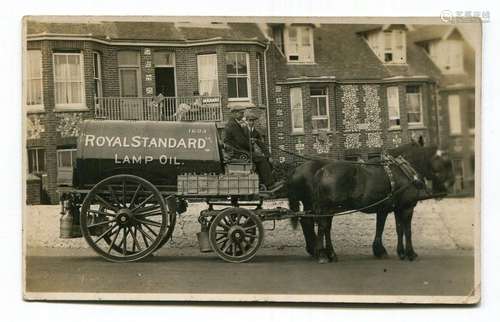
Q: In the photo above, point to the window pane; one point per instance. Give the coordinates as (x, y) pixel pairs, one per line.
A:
(128, 83)
(292, 34)
(76, 93)
(413, 103)
(305, 37)
(74, 68)
(128, 58)
(64, 159)
(318, 91)
(163, 58)
(320, 124)
(31, 160)
(231, 63)
(231, 88)
(34, 64)
(413, 117)
(322, 106)
(242, 87)
(412, 89)
(471, 113)
(60, 67)
(242, 63)
(388, 40)
(298, 120)
(454, 114)
(207, 75)
(61, 93)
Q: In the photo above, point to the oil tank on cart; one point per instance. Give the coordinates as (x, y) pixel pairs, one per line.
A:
(155, 151)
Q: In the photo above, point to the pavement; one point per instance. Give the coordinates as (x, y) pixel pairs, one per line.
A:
(443, 233)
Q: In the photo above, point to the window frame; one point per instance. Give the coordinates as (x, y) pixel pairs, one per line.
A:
(35, 164)
(28, 79)
(288, 49)
(293, 110)
(72, 152)
(70, 106)
(397, 107)
(249, 92)
(454, 127)
(317, 117)
(421, 112)
(216, 79)
(381, 49)
(128, 67)
(97, 78)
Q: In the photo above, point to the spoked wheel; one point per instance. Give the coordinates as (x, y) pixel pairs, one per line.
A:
(124, 218)
(236, 234)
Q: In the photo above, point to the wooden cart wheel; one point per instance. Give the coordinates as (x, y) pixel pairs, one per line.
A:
(124, 218)
(236, 234)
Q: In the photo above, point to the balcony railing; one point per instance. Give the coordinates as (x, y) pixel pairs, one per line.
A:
(194, 108)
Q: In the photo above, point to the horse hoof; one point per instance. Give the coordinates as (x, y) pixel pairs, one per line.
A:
(323, 260)
(412, 256)
(333, 259)
(401, 255)
(382, 256)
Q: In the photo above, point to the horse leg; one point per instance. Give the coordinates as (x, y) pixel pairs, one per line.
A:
(307, 224)
(320, 251)
(332, 257)
(378, 248)
(407, 217)
(399, 230)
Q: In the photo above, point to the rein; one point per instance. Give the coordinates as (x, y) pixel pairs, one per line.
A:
(378, 163)
(400, 162)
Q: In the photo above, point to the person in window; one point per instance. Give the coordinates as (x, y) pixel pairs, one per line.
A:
(242, 135)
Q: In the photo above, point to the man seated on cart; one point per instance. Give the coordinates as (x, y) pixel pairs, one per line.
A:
(241, 134)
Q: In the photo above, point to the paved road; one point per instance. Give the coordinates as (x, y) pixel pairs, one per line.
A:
(271, 272)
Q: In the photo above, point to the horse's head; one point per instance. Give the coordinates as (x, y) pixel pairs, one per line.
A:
(441, 175)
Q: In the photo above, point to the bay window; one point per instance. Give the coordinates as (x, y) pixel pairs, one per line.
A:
(238, 77)
(34, 78)
(68, 80)
(319, 103)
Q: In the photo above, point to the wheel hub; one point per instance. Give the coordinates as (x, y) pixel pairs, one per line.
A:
(124, 216)
(236, 233)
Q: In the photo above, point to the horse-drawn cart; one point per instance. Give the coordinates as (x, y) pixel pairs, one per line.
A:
(132, 179)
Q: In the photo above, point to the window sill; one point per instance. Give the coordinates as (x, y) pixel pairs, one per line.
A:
(300, 63)
(416, 126)
(395, 64)
(71, 109)
(35, 109)
(297, 133)
(395, 128)
(240, 103)
(316, 132)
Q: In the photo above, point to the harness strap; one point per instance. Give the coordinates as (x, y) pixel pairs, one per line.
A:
(389, 173)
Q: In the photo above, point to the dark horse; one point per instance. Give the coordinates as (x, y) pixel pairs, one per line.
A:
(325, 187)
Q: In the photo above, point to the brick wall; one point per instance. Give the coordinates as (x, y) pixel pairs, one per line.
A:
(51, 118)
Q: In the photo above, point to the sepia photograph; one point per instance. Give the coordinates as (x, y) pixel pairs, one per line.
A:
(252, 159)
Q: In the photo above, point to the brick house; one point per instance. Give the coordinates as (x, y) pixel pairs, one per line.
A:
(113, 70)
(348, 91)
(455, 58)
(330, 90)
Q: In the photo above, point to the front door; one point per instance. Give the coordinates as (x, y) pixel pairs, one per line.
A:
(165, 81)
